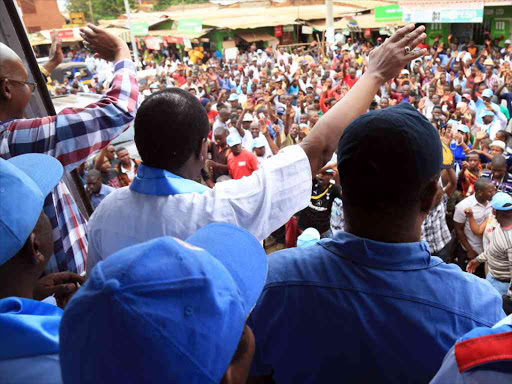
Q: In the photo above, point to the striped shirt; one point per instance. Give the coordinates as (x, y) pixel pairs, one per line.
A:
(434, 229)
(499, 255)
(71, 136)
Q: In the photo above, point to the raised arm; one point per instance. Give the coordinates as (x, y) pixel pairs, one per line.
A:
(75, 133)
(385, 63)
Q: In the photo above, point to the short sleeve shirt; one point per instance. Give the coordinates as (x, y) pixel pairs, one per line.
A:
(242, 165)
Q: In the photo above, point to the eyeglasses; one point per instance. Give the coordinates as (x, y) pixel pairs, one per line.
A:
(31, 86)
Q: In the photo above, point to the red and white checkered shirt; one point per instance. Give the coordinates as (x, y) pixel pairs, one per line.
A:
(71, 136)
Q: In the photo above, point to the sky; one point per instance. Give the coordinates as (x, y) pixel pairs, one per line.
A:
(62, 5)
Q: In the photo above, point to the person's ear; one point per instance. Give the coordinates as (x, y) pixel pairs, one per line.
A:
(5, 90)
(428, 196)
(30, 251)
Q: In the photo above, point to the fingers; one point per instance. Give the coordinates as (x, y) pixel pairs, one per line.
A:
(398, 35)
(95, 28)
(67, 277)
(64, 289)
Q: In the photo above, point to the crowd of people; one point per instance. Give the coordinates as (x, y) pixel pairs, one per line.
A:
(379, 171)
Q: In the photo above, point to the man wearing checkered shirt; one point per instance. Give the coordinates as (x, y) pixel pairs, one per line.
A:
(434, 229)
(70, 136)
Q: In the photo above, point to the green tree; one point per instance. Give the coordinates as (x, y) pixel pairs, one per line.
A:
(163, 4)
(102, 9)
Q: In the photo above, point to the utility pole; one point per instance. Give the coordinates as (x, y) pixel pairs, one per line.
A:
(90, 11)
(132, 37)
(329, 22)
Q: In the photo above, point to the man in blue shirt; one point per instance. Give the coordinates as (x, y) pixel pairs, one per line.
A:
(96, 189)
(29, 329)
(371, 304)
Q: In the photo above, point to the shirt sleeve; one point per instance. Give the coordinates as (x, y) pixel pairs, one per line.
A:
(459, 216)
(75, 133)
(260, 203)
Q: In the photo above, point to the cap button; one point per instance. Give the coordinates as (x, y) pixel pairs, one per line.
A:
(111, 285)
(189, 311)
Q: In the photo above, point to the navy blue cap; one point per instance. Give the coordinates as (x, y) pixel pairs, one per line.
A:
(396, 145)
(164, 311)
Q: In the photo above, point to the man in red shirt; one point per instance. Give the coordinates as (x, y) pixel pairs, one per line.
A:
(240, 162)
(349, 77)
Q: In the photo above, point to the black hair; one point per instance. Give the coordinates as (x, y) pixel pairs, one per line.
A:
(498, 161)
(93, 173)
(170, 126)
(482, 184)
(120, 149)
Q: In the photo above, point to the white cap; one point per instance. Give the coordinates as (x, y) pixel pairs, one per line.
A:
(248, 118)
(507, 41)
(404, 72)
(498, 143)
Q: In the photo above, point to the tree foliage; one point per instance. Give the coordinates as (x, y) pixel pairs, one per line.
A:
(163, 4)
(102, 9)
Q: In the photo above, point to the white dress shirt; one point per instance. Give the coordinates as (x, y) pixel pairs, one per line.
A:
(260, 203)
(480, 213)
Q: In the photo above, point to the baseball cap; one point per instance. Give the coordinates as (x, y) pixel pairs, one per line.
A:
(280, 110)
(413, 148)
(233, 97)
(258, 142)
(489, 62)
(404, 72)
(248, 118)
(164, 311)
(507, 41)
(498, 143)
(233, 140)
(501, 201)
(309, 237)
(487, 93)
(486, 113)
(466, 96)
(25, 182)
(463, 128)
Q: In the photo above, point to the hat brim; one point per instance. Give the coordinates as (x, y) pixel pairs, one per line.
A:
(44, 170)
(240, 253)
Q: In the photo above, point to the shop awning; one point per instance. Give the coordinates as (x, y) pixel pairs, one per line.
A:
(179, 34)
(251, 37)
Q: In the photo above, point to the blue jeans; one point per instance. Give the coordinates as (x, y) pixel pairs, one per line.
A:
(500, 286)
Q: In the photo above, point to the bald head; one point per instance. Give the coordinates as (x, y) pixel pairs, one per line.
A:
(14, 93)
(11, 65)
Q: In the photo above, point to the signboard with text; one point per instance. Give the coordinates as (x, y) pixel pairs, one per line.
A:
(77, 18)
(190, 25)
(278, 31)
(388, 13)
(444, 13)
(140, 29)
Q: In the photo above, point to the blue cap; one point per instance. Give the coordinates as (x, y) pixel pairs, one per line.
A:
(25, 181)
(412, 146)
(486, 113)
(463, 128)
(309, 237)
(501, 201)
(233, 139)
(258, 142)
(280, 110)
(165, 311)
(487, 93)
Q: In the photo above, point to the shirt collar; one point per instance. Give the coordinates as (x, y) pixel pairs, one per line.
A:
(159, 182)
(391, 256)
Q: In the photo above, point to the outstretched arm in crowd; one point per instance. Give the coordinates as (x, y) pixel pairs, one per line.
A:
(97, 124)
(386, 62)
(478, 230)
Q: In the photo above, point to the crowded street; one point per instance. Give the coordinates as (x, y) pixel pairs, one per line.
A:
(262, 212)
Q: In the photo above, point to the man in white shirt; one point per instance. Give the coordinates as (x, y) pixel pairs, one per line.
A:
(163, 199)
(471, 245)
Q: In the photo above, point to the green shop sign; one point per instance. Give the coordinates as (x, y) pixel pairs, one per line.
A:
(140, 29)
(388, 13)
(190, 25)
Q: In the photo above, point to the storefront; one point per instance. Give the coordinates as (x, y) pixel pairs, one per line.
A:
(466, 20)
